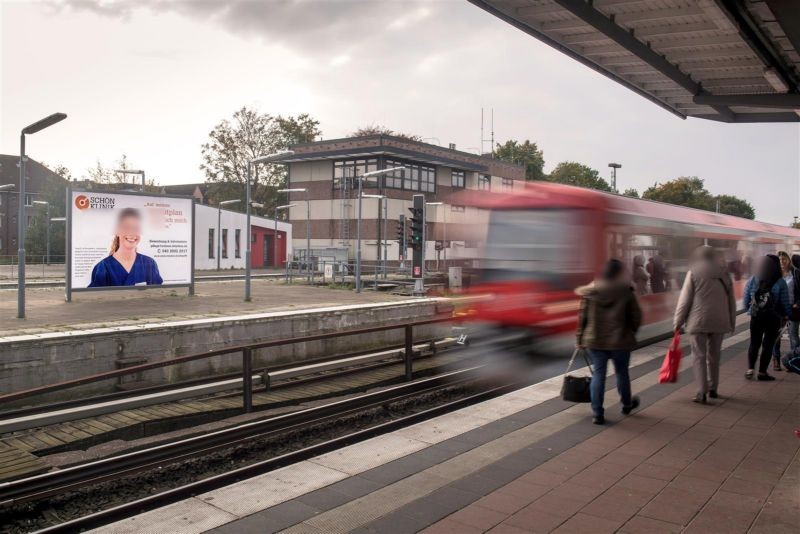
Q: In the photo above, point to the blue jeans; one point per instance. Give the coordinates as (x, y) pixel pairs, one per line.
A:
(621, 360)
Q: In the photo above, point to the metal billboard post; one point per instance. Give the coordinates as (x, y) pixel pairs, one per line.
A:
(68, 247)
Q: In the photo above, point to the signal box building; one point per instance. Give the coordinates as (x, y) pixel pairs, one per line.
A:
(328, 171)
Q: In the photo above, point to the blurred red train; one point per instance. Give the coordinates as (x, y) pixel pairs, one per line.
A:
(546, 239)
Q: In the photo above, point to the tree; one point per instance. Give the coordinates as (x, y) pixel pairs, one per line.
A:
(378, 129)
(631, 192)
(690, 191)
(526, 154)
(795, 224)
(687, 191)
(101, 174)
(731, 205)
(573, 173)
(247, 135)
(53, 192)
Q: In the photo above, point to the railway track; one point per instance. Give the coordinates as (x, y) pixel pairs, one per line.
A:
(62, 482)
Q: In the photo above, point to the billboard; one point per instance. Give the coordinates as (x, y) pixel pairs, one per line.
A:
(124, 240)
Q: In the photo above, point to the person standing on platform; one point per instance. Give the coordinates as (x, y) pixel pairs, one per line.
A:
(640, 276)
(607, 323)
(766, 299)
(787, 271)
(707, 309)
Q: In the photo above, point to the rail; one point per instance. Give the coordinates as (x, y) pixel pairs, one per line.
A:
(247, 360)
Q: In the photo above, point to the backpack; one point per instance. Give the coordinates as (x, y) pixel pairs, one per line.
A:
(763, 303)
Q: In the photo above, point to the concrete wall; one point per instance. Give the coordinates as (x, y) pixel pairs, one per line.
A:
(32, 361)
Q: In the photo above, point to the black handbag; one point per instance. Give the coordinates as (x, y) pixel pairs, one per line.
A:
(576, 388)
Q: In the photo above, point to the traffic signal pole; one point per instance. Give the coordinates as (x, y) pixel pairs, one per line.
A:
(418, 244)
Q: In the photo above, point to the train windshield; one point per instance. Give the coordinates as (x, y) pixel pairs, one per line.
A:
(551, 245)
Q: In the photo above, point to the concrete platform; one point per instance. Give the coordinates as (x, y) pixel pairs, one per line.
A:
(529, 462)
(48, 312)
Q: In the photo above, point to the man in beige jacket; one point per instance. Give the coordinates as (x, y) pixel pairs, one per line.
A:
(707, 308)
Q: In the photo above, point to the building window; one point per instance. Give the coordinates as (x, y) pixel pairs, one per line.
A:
(349, 168)
(508, 184)
(224, 242)
(211, 243)
(484, 182)
(28, 199)
(458, 179)
(237, 243)
(416, 177)
(457, 209)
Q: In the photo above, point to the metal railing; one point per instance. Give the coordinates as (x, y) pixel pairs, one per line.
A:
(247, 360)
(36, 265)
(332, 272)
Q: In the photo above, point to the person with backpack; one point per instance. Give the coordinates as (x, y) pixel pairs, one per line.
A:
(788, 273)
(766, 299)
(607, 323)
(707, 309)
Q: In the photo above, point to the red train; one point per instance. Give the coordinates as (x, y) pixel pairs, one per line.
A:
(546, 239)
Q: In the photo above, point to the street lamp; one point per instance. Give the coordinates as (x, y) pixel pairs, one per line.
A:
(255, 161)
(444, 233)
(614, 167)
(275, 236)
(358, 226)
(308, 223)
(131, 171)
(47, 206)
(28, 130)
(6, 187)
(219, 227)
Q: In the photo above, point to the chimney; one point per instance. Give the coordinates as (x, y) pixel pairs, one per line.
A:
(452, 146)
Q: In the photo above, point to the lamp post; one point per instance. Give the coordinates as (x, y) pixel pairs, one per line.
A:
(131, 171)
(358, 226)
(275, 236)
(6, 187)
(28, 130)
(256, 161)
(308, 224)
(444, 232)
(614, 167)
(46, 204)
(219, 227)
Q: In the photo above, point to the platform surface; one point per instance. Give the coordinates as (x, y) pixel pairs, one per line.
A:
(529, 462)
(48, 312)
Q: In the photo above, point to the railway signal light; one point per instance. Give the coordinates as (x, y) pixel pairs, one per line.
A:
(418, 238)
(401, 236)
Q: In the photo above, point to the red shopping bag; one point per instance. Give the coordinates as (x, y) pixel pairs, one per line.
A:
(672, 362)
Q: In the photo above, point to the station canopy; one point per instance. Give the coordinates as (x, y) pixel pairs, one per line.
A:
(723, 60)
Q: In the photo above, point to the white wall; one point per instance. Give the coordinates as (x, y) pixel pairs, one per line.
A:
(205, 217)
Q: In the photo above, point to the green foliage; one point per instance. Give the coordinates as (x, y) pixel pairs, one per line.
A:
(53, 192)
(526, 154)
(795, 224)
(248, 134)
(577, 174)
(731, 205)
(690, 191)
(378, 129)
(631, 192)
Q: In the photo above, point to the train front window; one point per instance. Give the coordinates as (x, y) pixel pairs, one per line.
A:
(548, 244)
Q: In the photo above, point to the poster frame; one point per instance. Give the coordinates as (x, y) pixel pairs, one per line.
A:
(69, 290)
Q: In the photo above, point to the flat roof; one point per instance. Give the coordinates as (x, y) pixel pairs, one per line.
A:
(402, 148)
(724, 60)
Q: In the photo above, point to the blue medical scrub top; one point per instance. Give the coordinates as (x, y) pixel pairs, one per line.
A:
(110, 272)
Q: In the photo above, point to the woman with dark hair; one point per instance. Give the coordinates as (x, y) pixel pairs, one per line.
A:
(766, 299)
(124, 266)
(607, 324)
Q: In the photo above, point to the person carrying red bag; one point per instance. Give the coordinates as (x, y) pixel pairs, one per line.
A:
(707, 310)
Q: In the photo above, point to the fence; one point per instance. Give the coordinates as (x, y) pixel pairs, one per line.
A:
(35, 265)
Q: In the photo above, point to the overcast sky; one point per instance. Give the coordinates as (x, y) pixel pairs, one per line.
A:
(151, 78)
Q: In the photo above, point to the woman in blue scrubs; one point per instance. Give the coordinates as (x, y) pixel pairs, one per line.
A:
(124, 266)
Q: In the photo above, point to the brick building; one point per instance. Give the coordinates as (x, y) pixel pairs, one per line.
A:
(327, 170)
(37, 178)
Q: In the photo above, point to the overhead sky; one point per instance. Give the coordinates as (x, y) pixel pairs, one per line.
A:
(150, 79)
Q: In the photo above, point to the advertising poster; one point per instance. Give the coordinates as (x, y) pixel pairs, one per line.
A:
(123, 239)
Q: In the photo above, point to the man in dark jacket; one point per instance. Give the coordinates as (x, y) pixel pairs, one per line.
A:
(607, 324)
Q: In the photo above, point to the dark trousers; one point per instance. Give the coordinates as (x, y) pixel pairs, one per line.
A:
(621, 360)
(763, 334)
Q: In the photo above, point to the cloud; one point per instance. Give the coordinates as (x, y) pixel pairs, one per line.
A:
(304, 25)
